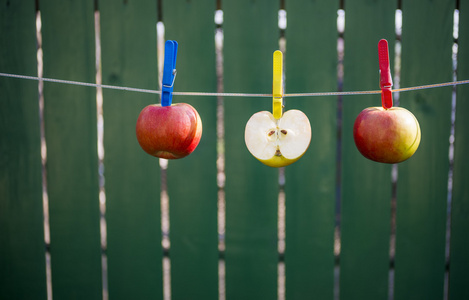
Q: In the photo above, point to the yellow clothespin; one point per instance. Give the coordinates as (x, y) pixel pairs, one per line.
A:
(277, 85)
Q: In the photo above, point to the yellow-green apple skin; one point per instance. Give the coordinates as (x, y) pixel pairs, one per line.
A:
(386, 135)
(278, 161)
(169, 132)
(278, 143)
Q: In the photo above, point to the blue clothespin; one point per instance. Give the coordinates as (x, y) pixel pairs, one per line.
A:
(169, 72)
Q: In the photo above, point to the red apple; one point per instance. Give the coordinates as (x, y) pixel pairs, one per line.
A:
(169, 132)
(386, 135)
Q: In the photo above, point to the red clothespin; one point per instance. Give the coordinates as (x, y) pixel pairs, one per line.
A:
(385, 74)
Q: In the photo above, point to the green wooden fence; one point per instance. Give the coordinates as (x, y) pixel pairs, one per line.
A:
(342, 211)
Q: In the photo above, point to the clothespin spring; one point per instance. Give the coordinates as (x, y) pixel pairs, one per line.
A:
(174, 79)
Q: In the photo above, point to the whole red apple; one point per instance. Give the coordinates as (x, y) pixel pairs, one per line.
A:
(386, 135)
(169, 132)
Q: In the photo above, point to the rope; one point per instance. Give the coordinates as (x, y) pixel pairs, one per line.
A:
(81, 83)
(131, 89)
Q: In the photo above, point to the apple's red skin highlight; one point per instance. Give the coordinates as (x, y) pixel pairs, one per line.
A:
(169, 132)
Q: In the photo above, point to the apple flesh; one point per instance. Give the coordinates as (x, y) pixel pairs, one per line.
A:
(386, 135)
(169, 132)
(278, 143)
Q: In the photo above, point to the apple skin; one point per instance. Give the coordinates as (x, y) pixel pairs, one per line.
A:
(279, 161)
(386, 135)
(169, 132)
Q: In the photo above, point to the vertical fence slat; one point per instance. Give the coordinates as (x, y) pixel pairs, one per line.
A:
(72, 162)
(129, 58)
(251, 37)
(22, 263)
(311, 65)
(366, 185)
(459, 257)
(423, 179)
(192, 181)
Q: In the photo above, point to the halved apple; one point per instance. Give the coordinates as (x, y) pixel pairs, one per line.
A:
(278, 143)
